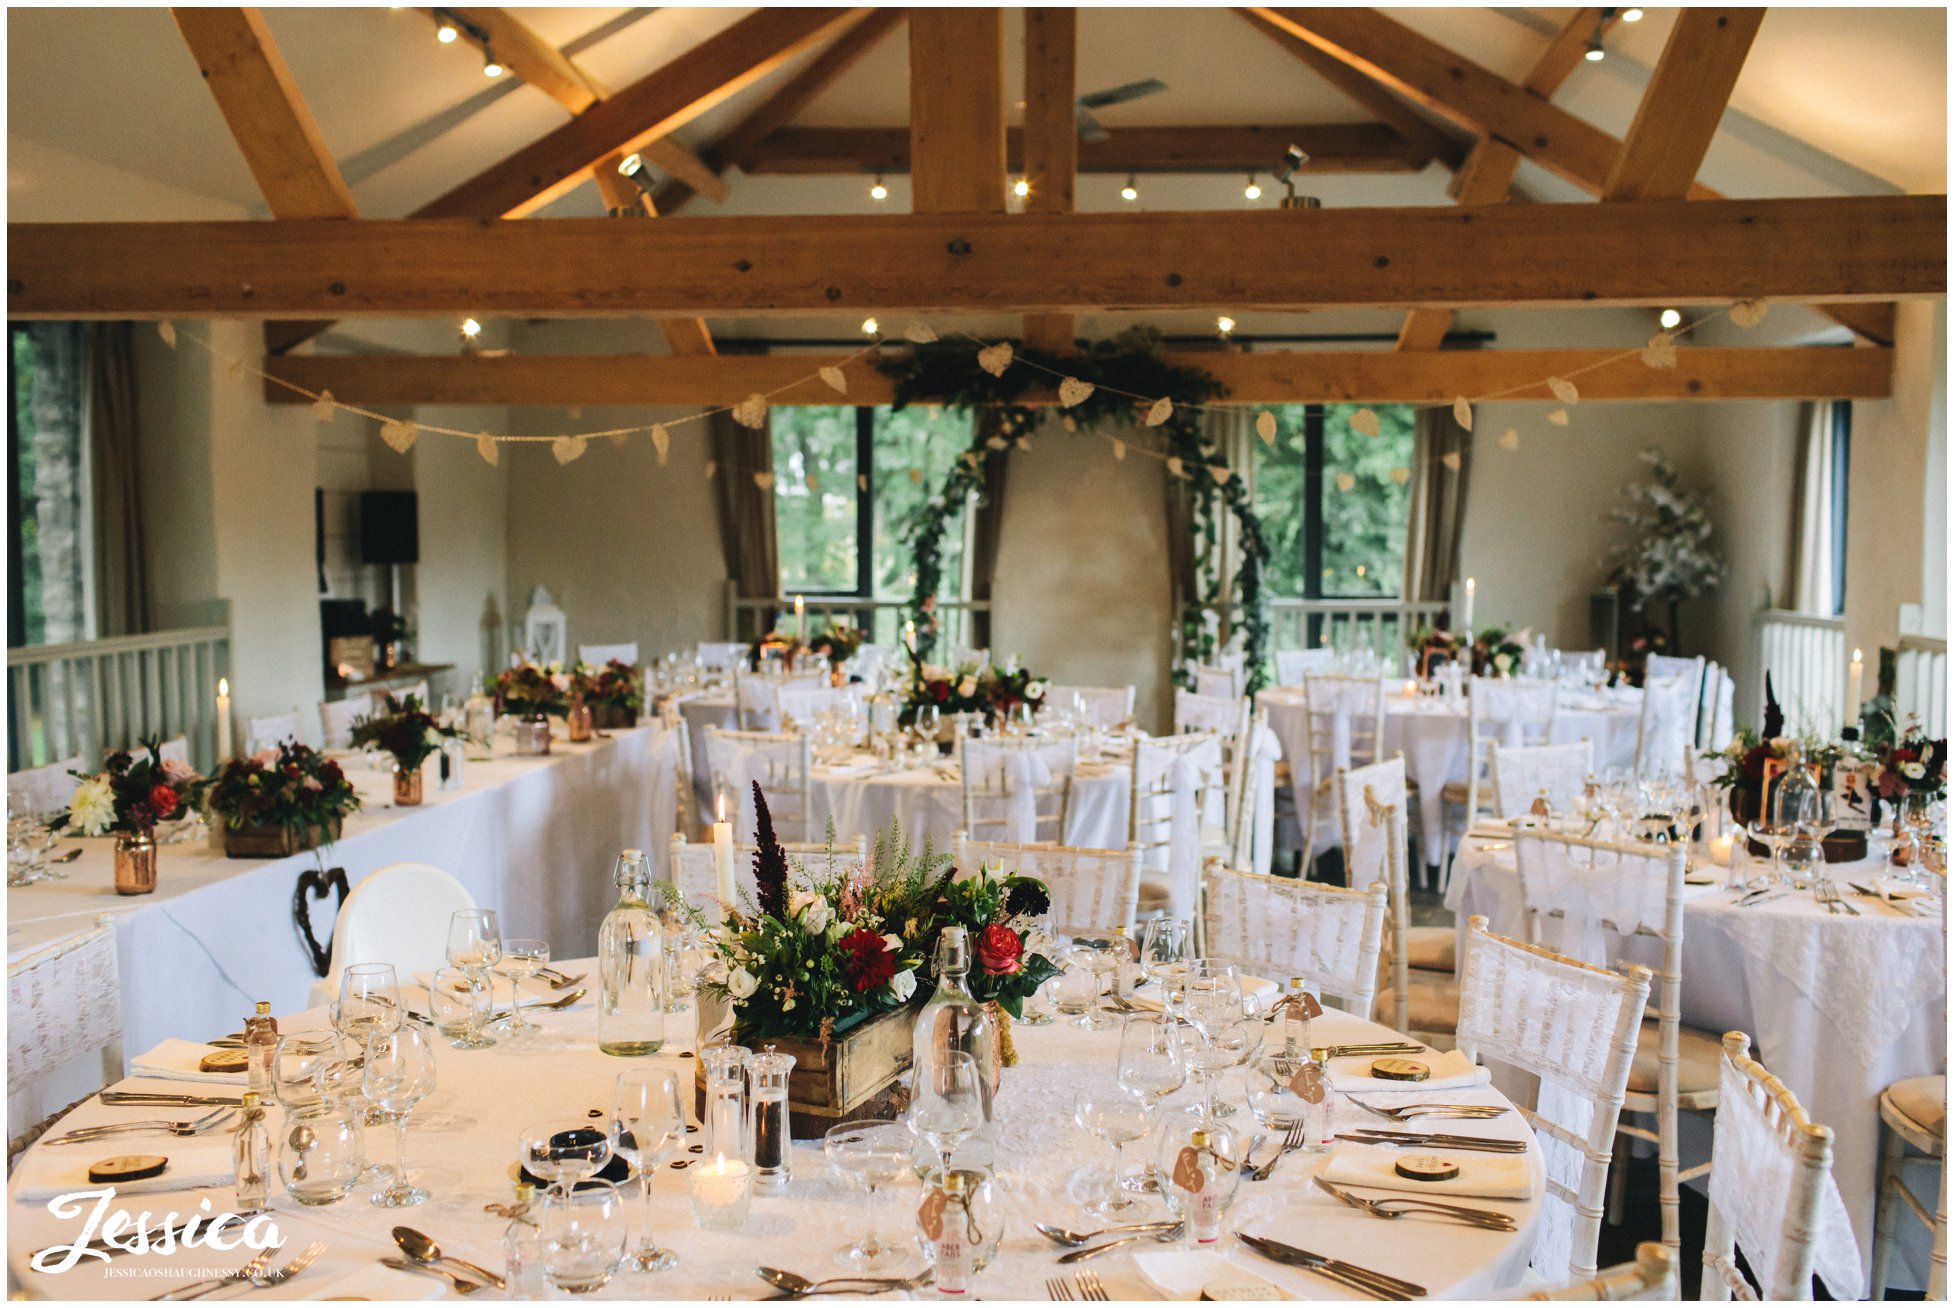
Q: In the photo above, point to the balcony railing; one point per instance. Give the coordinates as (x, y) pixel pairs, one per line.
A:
(1920, 683)
(748, 619)
(88, 696)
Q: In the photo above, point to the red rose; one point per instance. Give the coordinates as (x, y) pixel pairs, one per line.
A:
(999, 950)
(331, 773)
(870, 965)
(163, 800)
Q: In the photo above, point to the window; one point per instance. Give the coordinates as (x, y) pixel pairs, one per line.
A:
(1332, 510)
(49, 575)
(847, 481)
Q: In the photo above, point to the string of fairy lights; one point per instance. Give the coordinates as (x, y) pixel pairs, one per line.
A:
(995, 357)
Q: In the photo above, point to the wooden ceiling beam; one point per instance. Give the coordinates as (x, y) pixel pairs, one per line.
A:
(653, 106)
(1374, 376)
(1050, 139)
(1682, 104)
(956, 110)
(1802, 251)
(1332, 148)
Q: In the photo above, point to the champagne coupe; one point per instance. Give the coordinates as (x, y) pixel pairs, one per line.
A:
(565, 1151)
(1119, 1117)
(399, 1074)
(647, 1124)
(523, 957)
(869, 1154)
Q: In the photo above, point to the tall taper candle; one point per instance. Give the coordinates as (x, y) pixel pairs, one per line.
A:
(722, 856)
(224, 743)
(800, 617)
(1855, 683)
(1472, 589)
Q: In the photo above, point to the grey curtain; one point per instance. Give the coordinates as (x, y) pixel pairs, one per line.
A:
(1438, 506)
(1812, 550)
(121, 565)
(746, 523)
(986, 529)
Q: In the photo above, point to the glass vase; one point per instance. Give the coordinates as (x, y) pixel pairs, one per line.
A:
(407, 786)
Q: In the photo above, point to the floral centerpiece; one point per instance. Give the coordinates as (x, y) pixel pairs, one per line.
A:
(778, 643)
(839, 643)
(1671, 559)
(532, 694)
(405, 729)
(613, 693)
(1909, 766)
(280, 800)
(133, 792)
(1435, 648)
(1498, 653)
(988, 691)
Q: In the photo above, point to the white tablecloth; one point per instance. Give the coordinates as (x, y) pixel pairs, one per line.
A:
(464, 1149)
(535, 838)
(1434, 736)
(1839, 1007)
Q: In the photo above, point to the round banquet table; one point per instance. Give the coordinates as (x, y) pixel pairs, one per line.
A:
(1434, 735)
(465, 1136)
(1840, 1007)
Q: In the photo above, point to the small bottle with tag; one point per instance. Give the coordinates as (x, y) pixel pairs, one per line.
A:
(1295, 1021)
(1200, 1169)
(522, 1248)
(260, 1049)
(251, 1155)
(944, 1220)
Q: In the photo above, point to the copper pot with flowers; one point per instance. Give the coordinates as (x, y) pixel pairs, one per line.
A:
(532, 694)
(135, 790)
(407, 731)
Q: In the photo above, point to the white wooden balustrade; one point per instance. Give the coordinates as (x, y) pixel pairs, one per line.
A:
(88, 696)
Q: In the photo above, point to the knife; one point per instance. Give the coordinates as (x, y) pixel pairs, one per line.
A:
(1376, 1284)
(1435, 1140)
(156, 1098)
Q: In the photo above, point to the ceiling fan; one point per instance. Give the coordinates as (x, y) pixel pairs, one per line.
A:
(1090, 128)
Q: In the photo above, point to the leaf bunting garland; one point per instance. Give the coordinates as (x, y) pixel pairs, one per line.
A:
(1365, 423)
(661, 441)
(835, 380)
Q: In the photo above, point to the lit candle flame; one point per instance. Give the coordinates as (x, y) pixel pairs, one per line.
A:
(223, 685)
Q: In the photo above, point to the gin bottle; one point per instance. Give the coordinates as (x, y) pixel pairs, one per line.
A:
(478, 721)
(631, 966)
(952, 1021)
(251, 1155)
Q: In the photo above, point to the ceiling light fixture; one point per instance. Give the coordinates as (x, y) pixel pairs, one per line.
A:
(1224, 324)
(490, 68)
(878, 191)
(1130, 191)
(870, 327)
(1670, 319)
(1595, 53)
(446, 33)
(1253, 191)
(471, 336)
(1021, 188)
(1631, 15)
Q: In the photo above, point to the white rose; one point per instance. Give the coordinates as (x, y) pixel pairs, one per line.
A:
(902, 985)
(741, 984)
(891, 943)
(967, 687)
(815, 915)
(433, 738)
(1503, 661)
(92, 808)
(1034, 690)
(1913, 771)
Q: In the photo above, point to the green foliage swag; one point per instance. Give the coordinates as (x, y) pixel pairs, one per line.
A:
(948, 373)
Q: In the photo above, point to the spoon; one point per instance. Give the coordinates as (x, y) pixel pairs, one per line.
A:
(67, 857)
(423, 1249)
(796, 1285)
(461, 1284)
(1173, 1232)
(1073, 1239)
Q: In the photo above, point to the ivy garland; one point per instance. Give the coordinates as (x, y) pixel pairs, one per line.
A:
(950, 373)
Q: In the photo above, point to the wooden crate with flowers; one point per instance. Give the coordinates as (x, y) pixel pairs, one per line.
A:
(280, 801)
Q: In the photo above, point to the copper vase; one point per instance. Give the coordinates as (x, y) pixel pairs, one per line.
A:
(407, 786)
(135, 863)
(581, 722)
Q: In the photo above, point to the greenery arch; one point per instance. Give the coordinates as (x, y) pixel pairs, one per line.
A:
(950, 373)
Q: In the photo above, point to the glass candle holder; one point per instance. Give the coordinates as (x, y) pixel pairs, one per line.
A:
(321, 1152)
(722, 1193)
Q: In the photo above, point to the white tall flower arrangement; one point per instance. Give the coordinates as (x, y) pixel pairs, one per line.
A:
(1670, 559)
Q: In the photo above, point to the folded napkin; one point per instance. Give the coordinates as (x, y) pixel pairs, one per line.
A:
(195, 1164)
(1491, 829)
(1451, 1070)
(1258, 988)
(1481, 1176)
(1184, 1273)
(176, 1060)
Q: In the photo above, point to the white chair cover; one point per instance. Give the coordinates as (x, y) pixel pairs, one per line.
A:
(599, 655)
(1092, 889)
(756, 698)
(1221, 713)
(1715, 717)
(1772, 1191)
(49, 787)
(1292, 665)
(176, 748)
(1691, 670)
(783, 765)
(1108, 705)
(1185, 766)
(722, 655)
(964, 655)
(266, 733)
(1279, 927)
(1217, 683)
(1514, 710)
(803, 702)
(1015, 771)
(397, 914)
(869, 659)
(1574, 891)
(1372, 806)
(337, 716)
(1341, 709)
(670, 765)
(1523, 774)
(1667, 725)
(1255, 837)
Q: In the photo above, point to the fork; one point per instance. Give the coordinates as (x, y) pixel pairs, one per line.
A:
(1394, 1207)
(1058, 1288)
(1292, 1140)
(198, 1289)
(306, 1258)
(198, 1126)
(1406, 1112)
(1090, 1287)
(1828, 895)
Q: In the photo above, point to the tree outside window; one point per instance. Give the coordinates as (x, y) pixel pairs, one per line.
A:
(1331, 507)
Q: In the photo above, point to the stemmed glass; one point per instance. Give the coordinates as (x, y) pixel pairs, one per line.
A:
(949, 1105)
(1152, 1065)
(648, 1112)
(524, 957)
(1105, 952)
(928, 720)
(399, 1074)
(1040, 940)
(1226, 1035)
(1119, 1117)
(565, 1151)
(870, 1154)
(475, 946)
(1163, 955)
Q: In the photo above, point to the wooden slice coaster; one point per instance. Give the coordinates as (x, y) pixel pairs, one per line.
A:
(127, 1167)
(1400, 1069)
(225, 1060)
(1426, 1167)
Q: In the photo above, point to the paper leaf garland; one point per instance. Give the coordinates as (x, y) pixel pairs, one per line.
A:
(1558, 417)
(324, 407)
(920, 332)
(712, 466)
(1364, 422)
(996, 443)
(399, 435)
(1564, 390)
(486, 447)
(751, 411)
(1509, 439)
(1072, 391)
(1346, 482)
(617, 438)
(1265, 427)
(1748, 313)
(1220, 472)
(1400, 475)
(1453, 461)
(994, 359)
(1024, 442)
(1462, 413)
(836, 381)
(916, 475)
(861, 481)
(1660, 352)
(167, 330)
(661, 441)
(1162, 409)
(1070, 423)
(764, 480)
(1119, 450)
(568, 449)
(234, 369)
(1174, 466)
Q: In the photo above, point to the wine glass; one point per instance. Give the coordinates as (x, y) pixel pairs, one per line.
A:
(369, 1001)
(458, 1001)
(475, 946)
(1038, 940)
(928, 720)
(1163, 954)
(565, 1151)
(1105, 951)
(1075, 990)
(949, 1104)
(399, 1074)
(647, 1123)
(1119, 1117)
(1152, 1065)
(583, 1235)
(523, 958)
(870, 1154)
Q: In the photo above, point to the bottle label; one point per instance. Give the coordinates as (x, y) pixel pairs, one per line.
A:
(943, 1225)
(1204, 1216)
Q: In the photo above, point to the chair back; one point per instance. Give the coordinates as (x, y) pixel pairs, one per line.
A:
(64, 1000)
(722, 655)
(1503, 710)
(869, 659)
(1574, 1027)
(1218, 713)
(599, 655)
(1282, 927)
(1346, 724)
(1108, 706)
(1371, 806)
(1666, 726)
(783, 764)
(802, 703)
(698, 883)
(1178, 781)
(270, 732)
(756, 700)
(175, 749)
(1715, 716)
(338, 717)
(1092, 889)
(970, 655)
(1523, 773)
(48, 788)
(1017, 788)
(397, 914)
(1217, 683)
(1691, 670)
(1771, 1192)
(1651, 1276)
(1292, 665)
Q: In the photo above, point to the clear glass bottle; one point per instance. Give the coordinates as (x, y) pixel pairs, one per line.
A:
(1200, 1170)
(631, 966)
(478, 719)
(261, 1049)
(251, 1155)
(1295, 1021)
(522, 1248)
(1793, 814)
(951, 1019)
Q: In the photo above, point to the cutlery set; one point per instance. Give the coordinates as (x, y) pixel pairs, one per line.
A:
(1435, 1140)
(1292, 1140)
(1084, 1286)
(1828, 895)
(1405, 1112)
(1393, 1205)
(210, 1121)
(253, 1272)
(1375, 1284)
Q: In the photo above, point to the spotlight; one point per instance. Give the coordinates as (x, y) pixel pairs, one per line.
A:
(878, 191)
(446, 33)
(1631, 15)
(1253, 191)
(1021, 188)
(633, 166)
(470, 329)
(490, 68)
(1670, 319)
(1131, 190)
(870, 327)
(1224, 324)
(1595, 54)
(1292, 163)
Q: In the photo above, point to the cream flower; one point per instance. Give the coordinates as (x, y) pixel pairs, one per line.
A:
(1034, 690)
(902, 985)
(815, 914)
(1913, 771)
(741, 984)
(891, 942)
(92, 810)
(967, 687)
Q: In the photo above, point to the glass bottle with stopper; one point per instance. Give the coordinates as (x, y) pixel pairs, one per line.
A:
(1306, 1066)
(260, 1048)
(631, 966)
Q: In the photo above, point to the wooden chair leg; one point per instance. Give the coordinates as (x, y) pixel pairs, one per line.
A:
(1937, 1270)
(1892, 1148)
(1618, 1180)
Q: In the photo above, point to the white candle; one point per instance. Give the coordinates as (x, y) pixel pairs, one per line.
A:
(909, 635)
(223, 718)
(1855, 682)
(1720, 850)
(722, 855)
(1472, 589)
(1410, 690)
(722, 1189)
(800, 616)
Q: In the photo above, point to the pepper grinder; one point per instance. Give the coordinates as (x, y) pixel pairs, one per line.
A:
(773, 1152)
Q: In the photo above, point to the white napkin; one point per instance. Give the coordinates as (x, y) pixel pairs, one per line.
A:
(1184, 1273)
(1451, 1070)
(1482, 1176)
(43, 1174)
(176, 1060)
(1490, 829)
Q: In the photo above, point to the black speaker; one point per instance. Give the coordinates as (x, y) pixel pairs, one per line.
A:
(390, 527)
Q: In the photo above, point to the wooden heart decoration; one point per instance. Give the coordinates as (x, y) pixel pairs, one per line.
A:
(930, 1214)
(1187, 1170)
(316, 884)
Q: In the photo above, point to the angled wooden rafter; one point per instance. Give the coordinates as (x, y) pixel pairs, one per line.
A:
(1682, 104)
(1051, 137)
